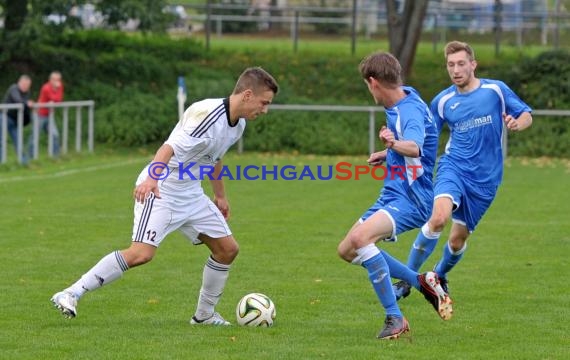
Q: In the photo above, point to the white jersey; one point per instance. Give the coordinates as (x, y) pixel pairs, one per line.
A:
(200, 140)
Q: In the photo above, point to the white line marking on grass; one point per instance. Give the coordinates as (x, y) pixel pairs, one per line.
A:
(82, 216)
(72, 171)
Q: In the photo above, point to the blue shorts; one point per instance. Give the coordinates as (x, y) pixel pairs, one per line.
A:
(470, 202)
(403, 213)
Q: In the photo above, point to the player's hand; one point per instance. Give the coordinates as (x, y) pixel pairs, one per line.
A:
(387, 137)
(377, 158)
(511, 122)
(143, 190)
(224, 206)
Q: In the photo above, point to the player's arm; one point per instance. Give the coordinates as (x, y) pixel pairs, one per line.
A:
(407, 148)
(520, 123)
(219, 191)
(158, 165)
(377, 158)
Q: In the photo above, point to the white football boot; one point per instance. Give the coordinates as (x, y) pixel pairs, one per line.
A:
(66, 303)
(216, 319)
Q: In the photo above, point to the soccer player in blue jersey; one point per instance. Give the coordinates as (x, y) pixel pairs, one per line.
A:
(471, 169)
(410, 138)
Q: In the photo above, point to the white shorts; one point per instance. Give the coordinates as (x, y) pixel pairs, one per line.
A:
(157, 218)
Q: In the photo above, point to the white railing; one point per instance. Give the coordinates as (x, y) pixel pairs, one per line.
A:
(19, 131)
(65, 106)
(372, 110)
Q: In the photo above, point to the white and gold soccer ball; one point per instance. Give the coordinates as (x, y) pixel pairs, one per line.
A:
(255, 309)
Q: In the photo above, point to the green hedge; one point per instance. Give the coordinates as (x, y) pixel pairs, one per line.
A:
(133, 80)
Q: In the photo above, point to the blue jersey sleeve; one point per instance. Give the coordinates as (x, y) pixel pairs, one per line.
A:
(437, 119)
(413, 126)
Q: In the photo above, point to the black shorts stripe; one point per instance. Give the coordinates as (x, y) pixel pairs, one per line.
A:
(143, 221)
(210, 119)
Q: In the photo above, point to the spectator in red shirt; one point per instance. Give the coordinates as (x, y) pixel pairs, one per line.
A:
(51, 91)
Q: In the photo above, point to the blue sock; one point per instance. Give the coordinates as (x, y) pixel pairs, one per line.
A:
(379, 276)
(449, 260)
(401, 271)
(422, 247)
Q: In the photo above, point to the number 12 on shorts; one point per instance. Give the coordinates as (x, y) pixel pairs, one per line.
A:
(150, 235)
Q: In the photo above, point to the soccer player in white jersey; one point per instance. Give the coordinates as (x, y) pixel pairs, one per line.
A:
(410, 138)
(471, 169)
(169, 199)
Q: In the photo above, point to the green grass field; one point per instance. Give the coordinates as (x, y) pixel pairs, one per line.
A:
(59, 218)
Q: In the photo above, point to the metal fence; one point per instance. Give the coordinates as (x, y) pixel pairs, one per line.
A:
(64, 108)
(372, 110)
(523, 27)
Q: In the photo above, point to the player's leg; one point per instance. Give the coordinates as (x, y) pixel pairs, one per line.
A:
(448, 193)
(406, 215)
(475, 202)
(110, 268)
(206, 225)
(452, 251)
(359, 247)
(430, 232)
(425, 242)
(346, 250)
(149, 229)
(427, 283)
(214, 277)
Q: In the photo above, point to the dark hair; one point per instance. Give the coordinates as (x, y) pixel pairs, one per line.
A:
(382, 66)
(256, 79)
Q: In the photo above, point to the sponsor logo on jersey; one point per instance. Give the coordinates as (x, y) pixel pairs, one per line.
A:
(473, 123)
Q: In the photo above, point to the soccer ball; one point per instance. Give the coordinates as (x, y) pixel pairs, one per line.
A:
(255, 309)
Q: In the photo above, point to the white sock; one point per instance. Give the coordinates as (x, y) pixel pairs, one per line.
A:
(458, 252)
(428, 233)
(107, 270)
(214, 280)
(367, 252)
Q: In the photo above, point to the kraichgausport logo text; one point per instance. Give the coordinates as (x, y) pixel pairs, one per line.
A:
(339, 171)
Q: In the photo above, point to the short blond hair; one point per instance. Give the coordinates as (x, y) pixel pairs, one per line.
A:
(457, 46)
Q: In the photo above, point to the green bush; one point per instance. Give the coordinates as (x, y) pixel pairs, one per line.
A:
(544, 80)
(548, 136)
(309, 132)
(137, 119)
(133, 79)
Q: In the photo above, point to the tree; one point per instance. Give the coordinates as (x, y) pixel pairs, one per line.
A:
(15, 12)
(149, 13)
(404, 30)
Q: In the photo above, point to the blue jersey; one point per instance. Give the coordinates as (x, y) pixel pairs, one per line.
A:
(475, 120)
(411, 119)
